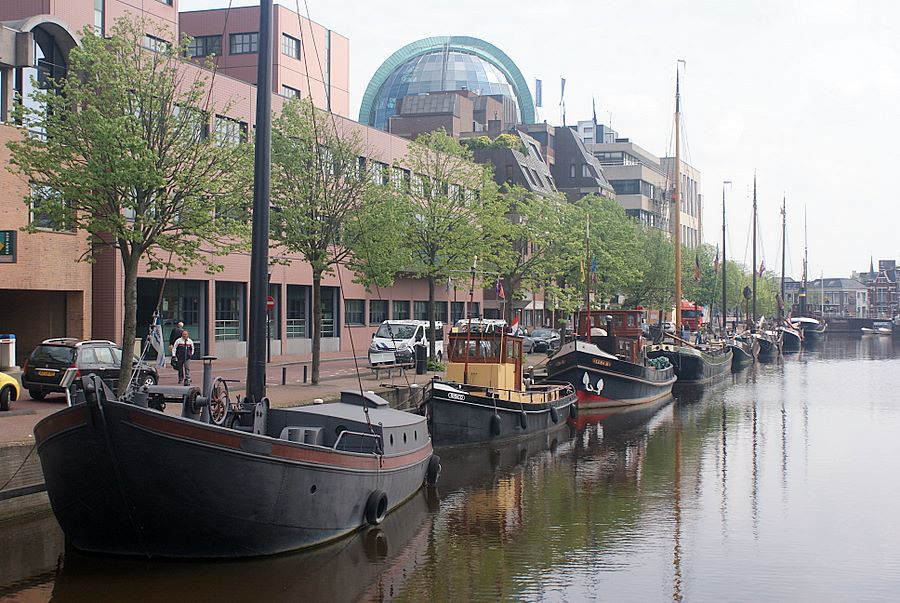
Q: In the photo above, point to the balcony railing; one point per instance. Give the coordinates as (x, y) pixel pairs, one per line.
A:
(228, 330)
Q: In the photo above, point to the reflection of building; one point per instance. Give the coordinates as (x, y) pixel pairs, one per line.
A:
(443, 64)
(47, 293)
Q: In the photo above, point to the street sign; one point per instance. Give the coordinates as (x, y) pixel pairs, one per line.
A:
(270, 303)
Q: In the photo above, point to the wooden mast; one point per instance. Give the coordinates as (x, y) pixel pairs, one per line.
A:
(587, 280)
(724, 290)
(753, 315)
(677, 202)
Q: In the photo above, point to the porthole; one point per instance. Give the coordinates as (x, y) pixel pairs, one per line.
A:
(404, 437)
(312, 489)
(416, 435)
(392, 439)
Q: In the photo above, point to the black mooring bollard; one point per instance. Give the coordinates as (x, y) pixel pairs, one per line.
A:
(284, 375)
(305, 367)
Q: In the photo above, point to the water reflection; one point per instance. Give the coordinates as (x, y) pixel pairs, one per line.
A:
(774, 483)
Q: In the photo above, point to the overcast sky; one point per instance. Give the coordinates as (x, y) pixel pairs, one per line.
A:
(804, 92)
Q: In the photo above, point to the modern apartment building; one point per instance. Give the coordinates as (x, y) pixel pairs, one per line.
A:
(644, 183)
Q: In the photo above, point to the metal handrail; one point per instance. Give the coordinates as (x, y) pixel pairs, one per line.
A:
(374, 436)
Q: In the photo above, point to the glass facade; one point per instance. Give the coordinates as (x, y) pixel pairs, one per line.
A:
(454, 70)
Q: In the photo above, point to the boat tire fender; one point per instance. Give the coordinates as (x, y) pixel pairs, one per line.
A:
(376, 507)
(523, 420)
(554, 414)
(573, 410)
(434, 470)
(495, 424)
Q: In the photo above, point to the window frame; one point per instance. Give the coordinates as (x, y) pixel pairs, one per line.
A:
(289, 42)
(237, 40)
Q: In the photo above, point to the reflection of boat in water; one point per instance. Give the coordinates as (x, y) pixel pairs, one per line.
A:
(616, 420)
(125, 478)
(480, 465)
(877, 329)
(611, 369)
(483, 398)
(372, 565)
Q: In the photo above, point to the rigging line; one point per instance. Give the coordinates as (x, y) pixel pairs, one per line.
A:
(221, 57)
(318, 156)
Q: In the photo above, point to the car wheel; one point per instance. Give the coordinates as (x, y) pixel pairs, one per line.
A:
(148, 379)
(36, 394)
(5, 398)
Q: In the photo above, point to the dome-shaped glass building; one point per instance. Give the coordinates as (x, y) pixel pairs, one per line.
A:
(443, 63)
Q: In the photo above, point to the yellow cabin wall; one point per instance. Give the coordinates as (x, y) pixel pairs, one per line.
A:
(502, 376)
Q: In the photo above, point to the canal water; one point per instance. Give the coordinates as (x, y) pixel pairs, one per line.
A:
(779, 483)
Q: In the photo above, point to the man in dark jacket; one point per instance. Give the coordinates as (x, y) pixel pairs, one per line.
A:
(175, 333)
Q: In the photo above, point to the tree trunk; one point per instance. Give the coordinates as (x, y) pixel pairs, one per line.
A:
(129, 322)
(431, 318)
(316, 325)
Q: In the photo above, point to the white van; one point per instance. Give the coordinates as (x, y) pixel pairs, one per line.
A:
(400, 336)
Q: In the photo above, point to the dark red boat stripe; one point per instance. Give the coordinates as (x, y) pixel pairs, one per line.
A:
(61, 421)
(162, 424)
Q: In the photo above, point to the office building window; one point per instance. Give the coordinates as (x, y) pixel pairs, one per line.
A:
(41, 218)
(420, 310)
(400, 310)
(457, 311)
(290, 46)
(243, 43)
(378, 311)
(156, 44)
(230, 131)
(98, 17)
(289, 92)
(354, 311)
(440, 311)
(204, 46)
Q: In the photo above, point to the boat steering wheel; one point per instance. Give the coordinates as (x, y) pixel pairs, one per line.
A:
(218, 401)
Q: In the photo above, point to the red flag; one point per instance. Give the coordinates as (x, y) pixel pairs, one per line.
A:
(716, 265)
(762, 267)
(501, 294)
(514, 325)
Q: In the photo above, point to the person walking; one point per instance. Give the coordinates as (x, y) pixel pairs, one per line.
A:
(182, 351)
(175, 333)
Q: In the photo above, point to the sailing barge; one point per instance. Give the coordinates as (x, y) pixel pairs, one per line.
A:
(610, 368)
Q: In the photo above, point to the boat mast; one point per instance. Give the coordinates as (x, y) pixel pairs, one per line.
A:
(724, 294)
(803, 282)
(753, 315)
(469, 327)
(677, 201)
(259, 255)
(587, 280)
(783, 254)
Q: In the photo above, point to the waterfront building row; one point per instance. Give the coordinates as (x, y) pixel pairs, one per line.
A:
(46, 292)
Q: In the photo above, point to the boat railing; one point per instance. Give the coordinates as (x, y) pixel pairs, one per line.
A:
(372, 439)
(542, 393)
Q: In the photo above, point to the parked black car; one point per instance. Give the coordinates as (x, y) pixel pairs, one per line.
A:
(45, 367)
(545, 340)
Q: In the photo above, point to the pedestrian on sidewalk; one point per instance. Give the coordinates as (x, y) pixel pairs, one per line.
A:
(175, 333)
(182, 351)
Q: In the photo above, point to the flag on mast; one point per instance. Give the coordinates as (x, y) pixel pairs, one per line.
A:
(449, 285)
(538, 96)
(501, 294)
(696, 268)
(762, 267)
(716, 265)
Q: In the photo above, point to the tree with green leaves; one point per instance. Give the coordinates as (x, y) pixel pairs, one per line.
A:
(123, 156)
(452, 212)
(654, 288)
(328, 207)
(530, 241)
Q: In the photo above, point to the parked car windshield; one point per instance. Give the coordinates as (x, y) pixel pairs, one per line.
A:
(541, 333)
(395, 331)
(53, 353)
